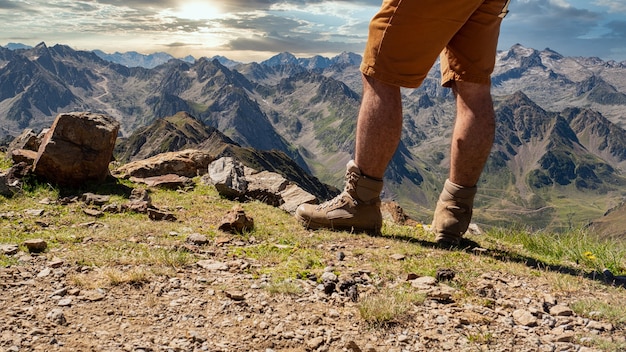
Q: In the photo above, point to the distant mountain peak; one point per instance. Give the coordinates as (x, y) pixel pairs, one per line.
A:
(135, 59)
(17, 46)
(284, 58)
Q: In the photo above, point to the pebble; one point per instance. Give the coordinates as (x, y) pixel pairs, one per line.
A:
(197, 239)
(34, 212)
(60, 292)
(57, 316)
(329, 277)
(9, 249)
(45, 272)
(561, 311)
(65, 302)
(36, 245)
(565, 337)
(596, 325)
(315, 342)
(424, 282)
(398, 256)
(524, 318)
(212, 265)
(341, 256)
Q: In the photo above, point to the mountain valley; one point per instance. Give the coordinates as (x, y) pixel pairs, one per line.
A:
(557, 163)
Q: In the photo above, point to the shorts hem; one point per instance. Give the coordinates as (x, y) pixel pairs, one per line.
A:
(446, 81)
(389, 79)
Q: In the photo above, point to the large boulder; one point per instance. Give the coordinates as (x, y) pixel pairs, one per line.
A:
(77, 148)
(188, 163)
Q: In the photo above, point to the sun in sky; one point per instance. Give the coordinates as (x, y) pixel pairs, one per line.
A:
(197, 10)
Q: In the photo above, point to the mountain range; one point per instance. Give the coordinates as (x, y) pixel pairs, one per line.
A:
(557, 162)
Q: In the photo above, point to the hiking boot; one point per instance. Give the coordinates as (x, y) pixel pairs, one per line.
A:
(453, 213)
(356, 208)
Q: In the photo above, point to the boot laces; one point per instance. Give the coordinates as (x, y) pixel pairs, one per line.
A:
(337, 202)
(345, 197)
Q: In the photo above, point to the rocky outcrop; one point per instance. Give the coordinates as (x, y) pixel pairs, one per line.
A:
(78, 148)
(188, 163)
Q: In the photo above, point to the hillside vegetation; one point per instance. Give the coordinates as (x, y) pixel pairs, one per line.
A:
(121, 281)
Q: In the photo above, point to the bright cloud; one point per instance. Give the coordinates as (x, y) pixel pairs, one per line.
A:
(257, 29)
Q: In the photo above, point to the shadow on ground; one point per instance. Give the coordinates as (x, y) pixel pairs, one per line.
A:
(472, 247)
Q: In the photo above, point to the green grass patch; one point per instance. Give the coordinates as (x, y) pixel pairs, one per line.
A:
(389, 306)
(576, 248)
(611, 310)
(284, 287)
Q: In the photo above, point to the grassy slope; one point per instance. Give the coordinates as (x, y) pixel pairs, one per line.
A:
(130, 248)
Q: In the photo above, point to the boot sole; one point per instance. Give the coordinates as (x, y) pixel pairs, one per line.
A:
(374, 230)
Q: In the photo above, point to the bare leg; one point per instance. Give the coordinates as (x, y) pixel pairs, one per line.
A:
(379, 127)
(473, 134)
(472, 139)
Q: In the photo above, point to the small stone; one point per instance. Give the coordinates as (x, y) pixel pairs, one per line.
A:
(315, 343)
(398, 256)
(56, 315)
(56, 263)
(424, 282)
(160, 215)
(596, 325)
(442, 293)
(236, 221)
(36, 245)
(235, 295)
(93, 212)
(445, 274)
(34, 212)
(329, 287)
(93, 296)
(341, 256)
(524, 318)
(60, 292)
(95, 199)
(351, 346)
(45, 272)
(369, 348)
(65, 302)
(329, 277)
(549, 299)
(9, 249)
(561, 311)
(212, 265)
(411, 277)
(197, 239)
(565, 337)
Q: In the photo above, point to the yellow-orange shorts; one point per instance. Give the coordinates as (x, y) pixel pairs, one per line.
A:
(406, 37)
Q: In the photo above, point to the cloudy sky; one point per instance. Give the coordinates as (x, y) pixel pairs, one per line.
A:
(253, 30)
